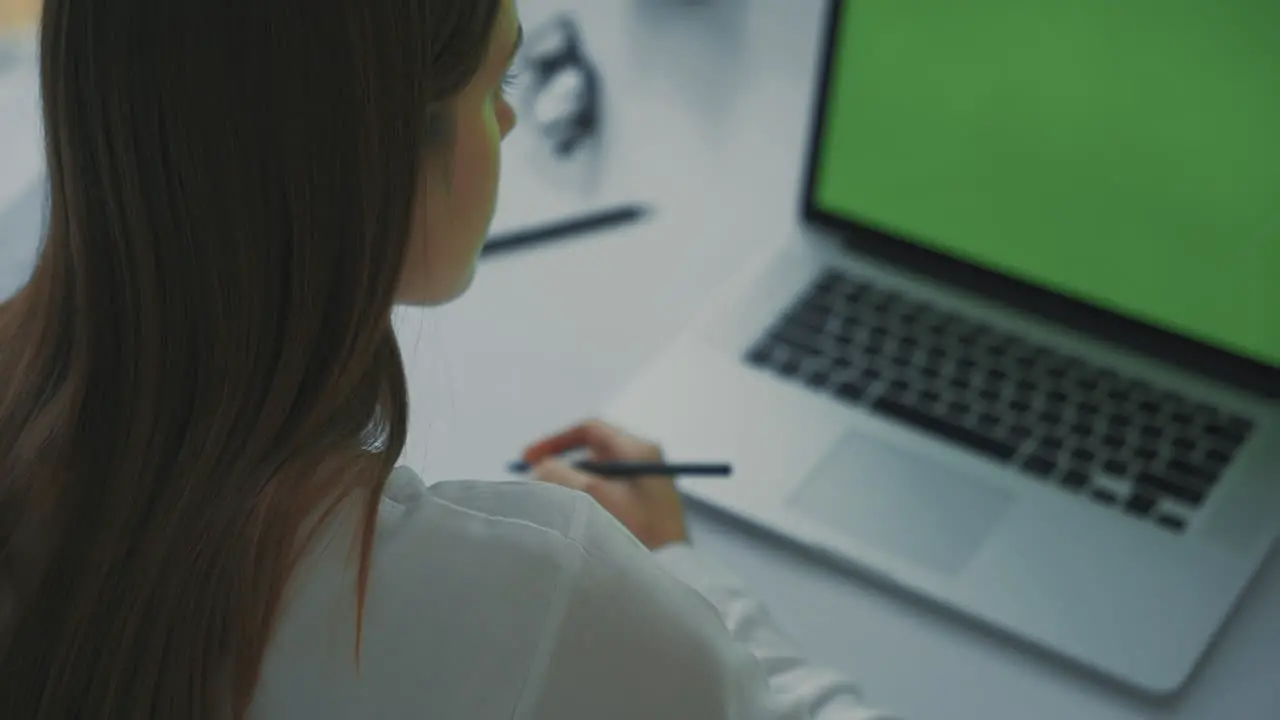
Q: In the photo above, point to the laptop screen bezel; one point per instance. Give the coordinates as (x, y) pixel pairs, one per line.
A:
(1216, 363)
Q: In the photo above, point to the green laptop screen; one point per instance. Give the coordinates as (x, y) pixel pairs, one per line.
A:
(1122, 152)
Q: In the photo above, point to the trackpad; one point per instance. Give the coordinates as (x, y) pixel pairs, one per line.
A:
(906, 505)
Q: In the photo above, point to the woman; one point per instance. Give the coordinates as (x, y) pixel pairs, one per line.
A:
(202, 401)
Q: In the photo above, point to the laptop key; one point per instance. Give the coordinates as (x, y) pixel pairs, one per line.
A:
(841, 362)
(1169, 522)
(1088, 383)
(1117, 467)
(1056, 372)
(1020, 432)
(1204, 414)
(945, 428)
(1181, 467)
(1185, 491)
(1104, 496)
(799, 339)
(1051, 444)
(1075, 479)
(817, 379)
(988, 420)
(830, 280)
(852, 389)
(855, 293)
(1224, 433)
(1146, 454)
(810, 317)
(1119, 422)
(1217, 457)
(839, 335)
(1140, 503)
(1041, 465)
(1239, 426)
(955, 412)
(789, 366)
(1083, 454)
(760, 354)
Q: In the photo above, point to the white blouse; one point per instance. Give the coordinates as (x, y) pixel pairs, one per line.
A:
(527, 601)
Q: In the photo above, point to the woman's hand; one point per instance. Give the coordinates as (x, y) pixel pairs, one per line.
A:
(650, 507)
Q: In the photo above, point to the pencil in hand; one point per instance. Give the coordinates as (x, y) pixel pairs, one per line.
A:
(618, 469)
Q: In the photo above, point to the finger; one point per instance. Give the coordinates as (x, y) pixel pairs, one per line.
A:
(594, 434)
(557, 472)
(557, 444)
(610, 442)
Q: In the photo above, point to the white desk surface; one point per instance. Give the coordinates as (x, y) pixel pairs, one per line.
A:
(717, 97)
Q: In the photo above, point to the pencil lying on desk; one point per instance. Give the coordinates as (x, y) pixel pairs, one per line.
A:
(593, 222)
(639, 469)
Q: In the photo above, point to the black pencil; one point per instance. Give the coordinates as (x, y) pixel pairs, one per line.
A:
(638, 469)
(537, 235)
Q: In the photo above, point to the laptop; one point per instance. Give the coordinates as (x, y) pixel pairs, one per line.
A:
(1023, 359)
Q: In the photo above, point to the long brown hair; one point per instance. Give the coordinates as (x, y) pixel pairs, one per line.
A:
(202, 363)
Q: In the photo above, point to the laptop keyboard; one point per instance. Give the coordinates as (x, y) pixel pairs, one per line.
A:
(1146, 451)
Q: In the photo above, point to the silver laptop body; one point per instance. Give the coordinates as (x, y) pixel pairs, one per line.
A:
(1073, 491)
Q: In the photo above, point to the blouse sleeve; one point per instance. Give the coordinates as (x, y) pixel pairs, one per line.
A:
(638, 638)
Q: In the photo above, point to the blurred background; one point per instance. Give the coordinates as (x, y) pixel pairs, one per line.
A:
(18, 12)
(20, 155)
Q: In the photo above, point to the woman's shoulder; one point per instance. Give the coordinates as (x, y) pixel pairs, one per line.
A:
(495, 511)
(465, 581)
